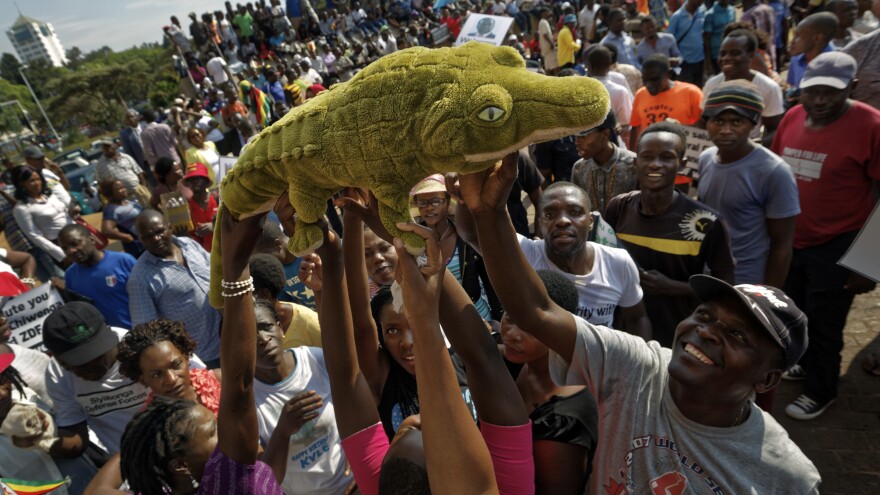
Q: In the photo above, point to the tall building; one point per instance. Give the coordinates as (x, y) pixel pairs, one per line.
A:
(35, 40)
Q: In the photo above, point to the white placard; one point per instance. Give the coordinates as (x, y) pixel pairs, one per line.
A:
(697, 142)
(26, 312)
(226, 164)
(490, 29)
(862, 257)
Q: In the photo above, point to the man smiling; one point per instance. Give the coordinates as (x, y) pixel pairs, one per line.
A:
(677, 420)
(669, 235)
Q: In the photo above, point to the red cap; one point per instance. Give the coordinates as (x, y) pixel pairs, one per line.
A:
(196, 170)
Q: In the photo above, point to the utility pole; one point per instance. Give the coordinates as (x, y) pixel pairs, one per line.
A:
(39, 105)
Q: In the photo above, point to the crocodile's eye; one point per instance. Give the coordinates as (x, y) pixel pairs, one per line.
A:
(491, 114)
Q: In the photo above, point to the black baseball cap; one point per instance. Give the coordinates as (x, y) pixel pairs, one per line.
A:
(777, 313)
(76, 333)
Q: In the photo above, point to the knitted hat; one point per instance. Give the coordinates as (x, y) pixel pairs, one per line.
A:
(740, 96)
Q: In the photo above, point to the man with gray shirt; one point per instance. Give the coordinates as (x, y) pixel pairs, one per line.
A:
(677, 420)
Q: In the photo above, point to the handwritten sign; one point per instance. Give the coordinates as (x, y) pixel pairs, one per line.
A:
(490, 29)
(697, 142)
(26, 312)
(176, 210)
(862, 255)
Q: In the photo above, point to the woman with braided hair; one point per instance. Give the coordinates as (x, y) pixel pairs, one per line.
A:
(158, 354)
(177, 446)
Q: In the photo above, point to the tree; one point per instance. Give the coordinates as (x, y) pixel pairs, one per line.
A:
(9, 68)
(74, 58)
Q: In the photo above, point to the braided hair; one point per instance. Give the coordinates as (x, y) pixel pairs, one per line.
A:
(12, 376)
(146, 335)
(154, 438)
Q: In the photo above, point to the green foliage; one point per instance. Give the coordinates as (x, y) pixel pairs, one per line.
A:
(9, 68)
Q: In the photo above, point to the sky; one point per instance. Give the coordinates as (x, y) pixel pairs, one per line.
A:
(91, 24)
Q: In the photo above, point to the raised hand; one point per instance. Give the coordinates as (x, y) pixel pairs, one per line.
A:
(238, 239)
(311, 272)
(421, 285)
(363, 204)
(487, 191)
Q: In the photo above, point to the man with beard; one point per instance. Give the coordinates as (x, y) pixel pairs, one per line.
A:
(99, 275)
(171, 281)
(606, 277)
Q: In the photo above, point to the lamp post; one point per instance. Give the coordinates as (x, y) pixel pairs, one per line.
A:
(39, 105)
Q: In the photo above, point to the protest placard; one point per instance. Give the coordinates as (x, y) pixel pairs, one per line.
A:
(226, 164)
(862, 255)
(697, 142)
(26, 312)
(490, 29)
(176, 211)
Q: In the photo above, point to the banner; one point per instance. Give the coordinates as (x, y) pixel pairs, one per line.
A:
(26, 312)
(490, 29)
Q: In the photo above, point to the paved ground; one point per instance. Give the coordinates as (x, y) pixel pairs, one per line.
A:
(844, 443)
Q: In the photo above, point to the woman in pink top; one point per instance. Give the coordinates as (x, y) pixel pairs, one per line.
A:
(445, 424)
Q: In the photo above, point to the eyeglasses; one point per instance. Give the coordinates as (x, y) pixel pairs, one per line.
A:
(435, 202)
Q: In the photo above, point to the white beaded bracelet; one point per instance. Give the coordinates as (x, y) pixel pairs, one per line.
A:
(242, 292)
(237, 285)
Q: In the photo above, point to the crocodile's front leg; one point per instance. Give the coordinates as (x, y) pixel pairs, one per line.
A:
(310, 205)
(394, 209)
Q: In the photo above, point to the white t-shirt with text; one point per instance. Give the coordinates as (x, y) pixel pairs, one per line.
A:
(613, 281)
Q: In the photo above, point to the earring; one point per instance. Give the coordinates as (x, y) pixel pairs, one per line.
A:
(195, 484)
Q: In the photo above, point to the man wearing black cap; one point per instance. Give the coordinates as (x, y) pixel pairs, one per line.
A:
(833, 146)
(677, 420)
(84, 382)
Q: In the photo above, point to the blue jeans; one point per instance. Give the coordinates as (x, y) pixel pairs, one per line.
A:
(80, 469)
(46, 266)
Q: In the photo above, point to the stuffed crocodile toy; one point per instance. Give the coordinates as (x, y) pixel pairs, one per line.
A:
(410, 114)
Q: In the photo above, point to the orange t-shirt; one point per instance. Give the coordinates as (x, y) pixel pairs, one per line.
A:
(680, 102)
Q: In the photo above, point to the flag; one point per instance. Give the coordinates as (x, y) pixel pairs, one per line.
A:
(258, 102)
(20, 487)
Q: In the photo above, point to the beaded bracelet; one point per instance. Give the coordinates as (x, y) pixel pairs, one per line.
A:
(29, 281)
(237, 285)
(240, 293)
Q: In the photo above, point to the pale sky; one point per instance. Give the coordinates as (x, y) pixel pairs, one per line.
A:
(91, 24)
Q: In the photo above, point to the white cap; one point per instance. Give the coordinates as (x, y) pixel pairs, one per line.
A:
(565, 5)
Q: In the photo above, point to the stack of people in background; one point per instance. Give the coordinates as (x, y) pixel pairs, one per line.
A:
(675, 291)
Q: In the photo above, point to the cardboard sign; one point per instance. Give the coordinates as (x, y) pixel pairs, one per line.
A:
(862, 257)
(176, 211)
(490, 29)
(26, 312)
(226, 164)
(697, 142)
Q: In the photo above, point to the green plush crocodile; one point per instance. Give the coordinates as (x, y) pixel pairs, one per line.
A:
(408, 115)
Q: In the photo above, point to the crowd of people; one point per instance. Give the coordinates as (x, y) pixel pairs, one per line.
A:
(629, 340)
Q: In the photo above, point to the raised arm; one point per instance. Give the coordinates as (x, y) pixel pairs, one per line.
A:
(347, 383)
(521, 292)
(447, 425)
(372, 361)
(237, 419)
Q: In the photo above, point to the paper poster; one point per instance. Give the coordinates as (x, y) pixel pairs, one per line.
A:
(862, 255)
(26, 312)
(226, 164)
(490, 29)
(697, 142)
(176, 210)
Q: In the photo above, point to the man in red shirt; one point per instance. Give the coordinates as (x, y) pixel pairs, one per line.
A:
(833, 146)
(202, 204)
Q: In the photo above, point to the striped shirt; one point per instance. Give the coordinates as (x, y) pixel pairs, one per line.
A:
(160, 288)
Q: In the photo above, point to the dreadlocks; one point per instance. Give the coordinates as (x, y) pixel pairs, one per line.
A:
(12, 376)
(153, 439)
